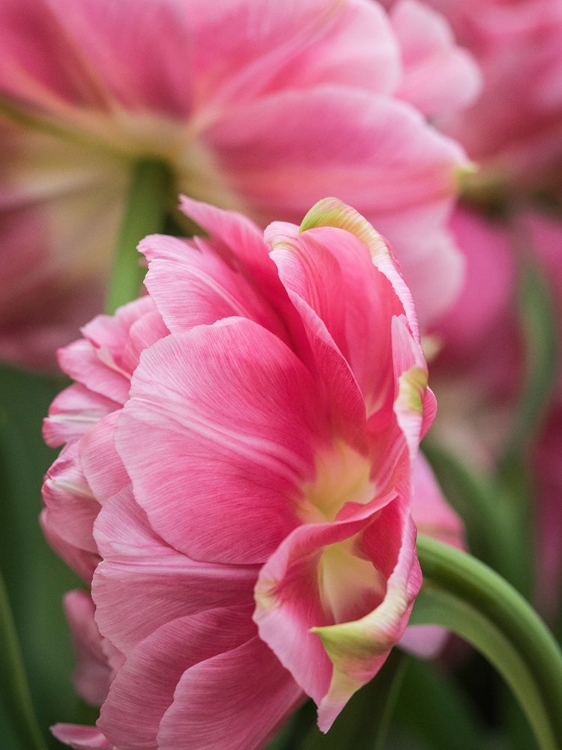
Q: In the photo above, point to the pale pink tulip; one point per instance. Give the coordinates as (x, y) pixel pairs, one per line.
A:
(241, 463)
(258, 106)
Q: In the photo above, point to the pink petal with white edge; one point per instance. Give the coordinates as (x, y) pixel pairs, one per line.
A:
(81, 737)
(334, 598)
(68, 516)
(73, 412)
(230, 419)
(119, 339)
(130, 717)
(414, 405)
(244, 695)
(80, 361)
(359, 649)
(97, 660)
(142, 582)
(331, 212)
(439, 77)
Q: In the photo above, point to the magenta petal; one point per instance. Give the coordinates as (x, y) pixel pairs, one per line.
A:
(240, 698)
(130, 717)
(230, 419)
(142, 582)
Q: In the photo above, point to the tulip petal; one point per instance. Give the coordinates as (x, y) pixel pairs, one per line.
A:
(130, 717)
(81, 737)
(351, 577)
(142, 582)
(242, 428)
(439, 77)
(226, 699)
(96, 657)
(333, 271)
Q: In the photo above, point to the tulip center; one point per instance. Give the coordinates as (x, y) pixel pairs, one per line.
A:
(342, 476)
(350, 586)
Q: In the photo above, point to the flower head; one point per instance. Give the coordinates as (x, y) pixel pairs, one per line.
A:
(237, 478)
(252, 105)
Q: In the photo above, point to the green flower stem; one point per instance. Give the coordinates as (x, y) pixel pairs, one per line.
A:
(470, 599)
(538, 321)
(13, 682)
(149, 197)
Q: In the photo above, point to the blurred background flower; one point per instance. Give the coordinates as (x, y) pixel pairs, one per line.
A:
(250, 106)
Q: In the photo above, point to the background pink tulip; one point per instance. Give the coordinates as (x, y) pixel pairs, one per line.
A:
(252, 105)
(514, 129)
(256, 545)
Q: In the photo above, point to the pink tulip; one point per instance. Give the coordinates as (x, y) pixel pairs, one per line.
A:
(514, 129)
(237, 481)
(257, 106)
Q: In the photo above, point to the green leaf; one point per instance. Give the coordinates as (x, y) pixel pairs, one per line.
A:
(465, 596)
(539, 325)
(362, 725)
(35, 578)
(493, 526)
(428, 692)
(13, 681)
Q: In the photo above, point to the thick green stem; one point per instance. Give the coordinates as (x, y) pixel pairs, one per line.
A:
(13, 681)
(145, 213)
(465, 596)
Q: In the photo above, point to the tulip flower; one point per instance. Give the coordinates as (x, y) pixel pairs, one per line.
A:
(236, 481)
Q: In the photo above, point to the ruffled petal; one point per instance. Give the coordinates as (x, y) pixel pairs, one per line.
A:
(335, 598)
(142, 582)
(69, 513)
(130, 717)
(244, 695)
(333, 271)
